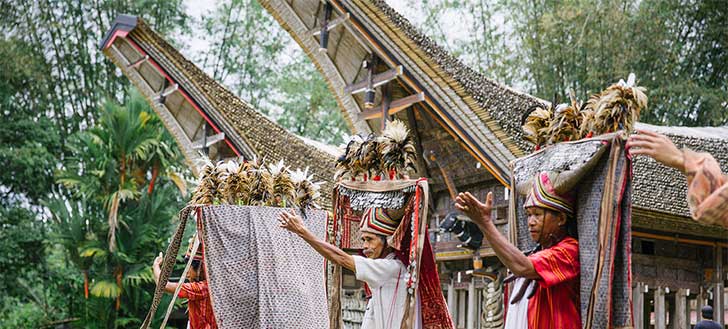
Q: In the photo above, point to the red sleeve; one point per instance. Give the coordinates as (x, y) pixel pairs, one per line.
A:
(557, 264)
(194, 290)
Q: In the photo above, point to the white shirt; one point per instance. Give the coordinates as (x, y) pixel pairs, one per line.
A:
(385, 277)
(518, 313)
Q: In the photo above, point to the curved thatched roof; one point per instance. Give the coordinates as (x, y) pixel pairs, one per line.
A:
(192, 99)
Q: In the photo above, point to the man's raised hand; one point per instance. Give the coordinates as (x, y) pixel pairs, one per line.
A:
(292, 222)
(478, 212)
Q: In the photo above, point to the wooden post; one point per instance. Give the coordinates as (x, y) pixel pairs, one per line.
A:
(638, 304)
(718, 294)
(461, 308)
(701, 302)
(369, 92)
(451, 299)
(385, 105)
(324, 37)
(681, 298)
(472, 307)
(689, 295)
(660, 308)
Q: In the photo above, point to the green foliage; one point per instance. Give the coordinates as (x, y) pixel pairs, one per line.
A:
(22, 246)
(244, 45)
(676, 48)
(29, 142)
(308, 106)
(119, 212)
(15, 313)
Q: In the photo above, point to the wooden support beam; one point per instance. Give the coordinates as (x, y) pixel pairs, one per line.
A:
(386, 102)
(660, 315)
(207, 141)
(462, 295)
(473, 308)
(369, 93)
(451, 296)
(331, 25)
(681, 304)
(168, 90)
(324, 39)
(377, 80)
(718, 293)
(638, 304)
(420, 163)
(394, 107)
(139, 62)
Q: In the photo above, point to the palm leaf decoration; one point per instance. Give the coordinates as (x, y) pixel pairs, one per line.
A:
(307, 192)
(618, 107)
(284, 192)
(346, 161)
(396, 149)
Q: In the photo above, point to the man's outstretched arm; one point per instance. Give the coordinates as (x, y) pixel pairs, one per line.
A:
(292, 222)
(156, 270)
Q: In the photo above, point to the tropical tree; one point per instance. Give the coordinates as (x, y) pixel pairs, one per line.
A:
(125, 186)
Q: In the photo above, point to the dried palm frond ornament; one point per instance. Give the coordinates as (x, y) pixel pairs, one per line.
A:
(388, 156)
(252, 183)
(616, 108)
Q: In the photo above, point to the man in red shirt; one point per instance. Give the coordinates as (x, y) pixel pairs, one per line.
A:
(195, 291)
(555, 267)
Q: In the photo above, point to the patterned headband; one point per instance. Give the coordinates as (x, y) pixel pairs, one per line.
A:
(543, 195)
(377, 221)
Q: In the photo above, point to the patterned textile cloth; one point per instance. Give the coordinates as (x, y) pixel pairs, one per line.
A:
(603, 214)
(707, 189)
(259, 275)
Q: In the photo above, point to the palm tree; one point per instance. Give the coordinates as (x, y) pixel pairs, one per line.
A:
(124, 183)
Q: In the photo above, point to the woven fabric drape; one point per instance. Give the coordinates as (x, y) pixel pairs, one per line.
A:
(604, 222)
(259, 275)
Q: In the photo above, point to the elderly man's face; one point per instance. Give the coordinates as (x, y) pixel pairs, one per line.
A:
(543, 223)
(373, 245)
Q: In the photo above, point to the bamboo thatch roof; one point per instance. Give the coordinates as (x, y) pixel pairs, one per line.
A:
(481, 116)
(191, 100)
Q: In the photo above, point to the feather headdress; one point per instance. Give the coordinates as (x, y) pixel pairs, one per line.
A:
(535, 124)
(262, 184)
(566, 122)
(345, 162)
(307, 192)
(208, 190)
(396, 149)
(283, 188)
(368, 157)
(618, 107)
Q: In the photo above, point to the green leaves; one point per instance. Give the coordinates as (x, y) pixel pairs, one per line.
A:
(105, 289)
